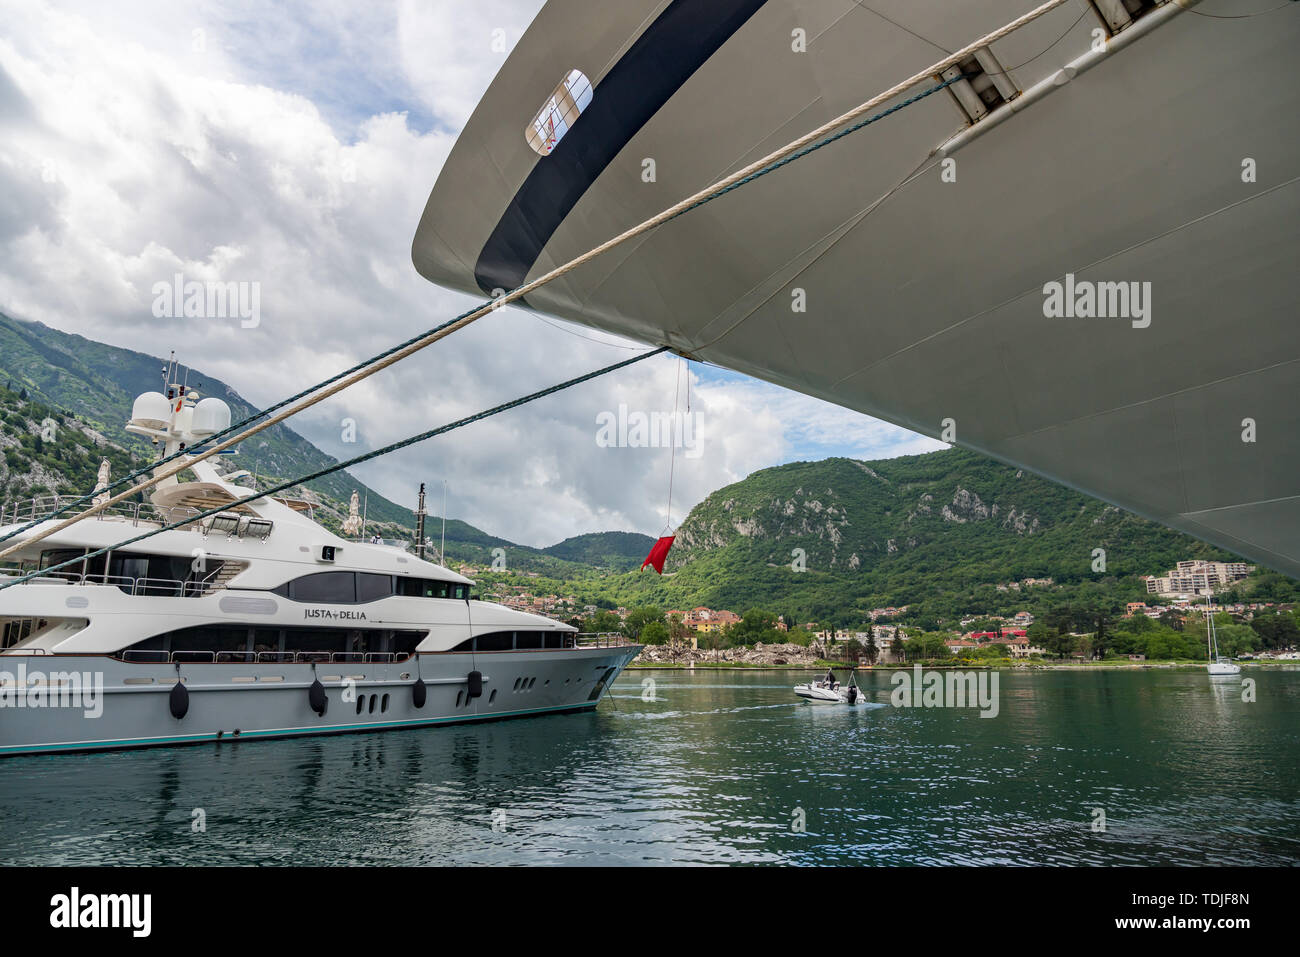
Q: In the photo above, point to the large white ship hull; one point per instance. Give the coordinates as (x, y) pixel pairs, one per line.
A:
(61, 703)
(1168, 160)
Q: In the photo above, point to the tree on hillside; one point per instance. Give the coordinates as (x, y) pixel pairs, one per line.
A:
(1100, 639)
(1276, 630)
(929, 645)
(1060, 644)
(654, 633)
(602, 621)
(679, 631)
(638, 618)
(898, 644)
(872, 650)
(754, 626)
(1172, 619)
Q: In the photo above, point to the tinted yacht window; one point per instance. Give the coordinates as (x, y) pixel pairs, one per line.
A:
(336, 587)
(422, 588)
(372, 587)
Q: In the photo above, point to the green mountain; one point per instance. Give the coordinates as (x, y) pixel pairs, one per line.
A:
(47, 375)
(618, 550)
(947, 533)
(98, 384)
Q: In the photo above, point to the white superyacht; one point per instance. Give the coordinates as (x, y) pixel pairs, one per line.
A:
(255, 622)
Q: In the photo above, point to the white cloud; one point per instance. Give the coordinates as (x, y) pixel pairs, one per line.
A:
(127, 155)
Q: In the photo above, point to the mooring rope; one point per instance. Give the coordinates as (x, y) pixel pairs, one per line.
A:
(356, 460)
(814, 140)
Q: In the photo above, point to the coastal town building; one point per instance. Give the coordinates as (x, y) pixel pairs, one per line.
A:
(704, 620)
(1196, 578)
(890, 612)
(1002, 636)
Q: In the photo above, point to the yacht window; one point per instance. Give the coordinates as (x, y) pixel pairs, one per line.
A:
(497, 641)
(508, 640)
(558, 113)
(373, 587)
(233, 643)
(422, 588)
(57, 556)
(334, 587)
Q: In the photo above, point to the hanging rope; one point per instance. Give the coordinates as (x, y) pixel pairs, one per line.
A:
(357, 460)
(822, 136)
(672, 451)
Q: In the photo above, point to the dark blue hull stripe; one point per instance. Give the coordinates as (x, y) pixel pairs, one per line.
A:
(662, 59)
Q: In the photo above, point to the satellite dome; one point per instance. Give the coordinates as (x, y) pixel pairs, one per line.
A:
(210, 417)
(151, 410)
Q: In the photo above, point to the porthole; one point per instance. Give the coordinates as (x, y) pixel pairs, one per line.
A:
(361, 702)
(558, 114)
(459, 695)
(373, 699)
(383, 707)
(493, 696)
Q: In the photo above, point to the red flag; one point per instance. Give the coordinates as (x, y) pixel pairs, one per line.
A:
(658, 553)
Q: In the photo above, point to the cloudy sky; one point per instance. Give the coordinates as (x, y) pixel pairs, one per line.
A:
(294, 145)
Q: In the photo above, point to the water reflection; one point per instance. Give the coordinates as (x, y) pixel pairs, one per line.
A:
(718, 767)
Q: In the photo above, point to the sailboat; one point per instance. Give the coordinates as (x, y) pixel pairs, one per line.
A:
(1218, 666)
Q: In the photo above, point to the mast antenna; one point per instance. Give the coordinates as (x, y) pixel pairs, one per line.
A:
(419, 525)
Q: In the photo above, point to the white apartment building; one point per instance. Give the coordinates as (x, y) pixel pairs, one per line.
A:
(1197, 577)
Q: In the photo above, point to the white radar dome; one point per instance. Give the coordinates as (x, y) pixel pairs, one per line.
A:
(152, 410)
(210, 417)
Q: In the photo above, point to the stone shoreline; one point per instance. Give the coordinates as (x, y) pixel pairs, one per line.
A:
(792, 657)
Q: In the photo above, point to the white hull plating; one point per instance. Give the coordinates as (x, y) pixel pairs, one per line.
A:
(923, 245)
(236, 701)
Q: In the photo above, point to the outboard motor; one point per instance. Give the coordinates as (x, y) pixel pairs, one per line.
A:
(853, 693)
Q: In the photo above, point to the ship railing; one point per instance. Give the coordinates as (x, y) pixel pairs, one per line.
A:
(601, 639)
(24, 511)
(142, 655)
(194, 657)
(146, 656)
(51, 578)
(132, 513)
(154, 587)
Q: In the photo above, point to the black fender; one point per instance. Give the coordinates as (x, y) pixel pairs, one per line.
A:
(316, 697)
(179, 700)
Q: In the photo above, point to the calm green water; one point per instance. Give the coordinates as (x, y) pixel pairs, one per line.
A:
(712, 771)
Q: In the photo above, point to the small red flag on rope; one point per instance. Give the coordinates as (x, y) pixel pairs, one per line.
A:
(658, 553)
